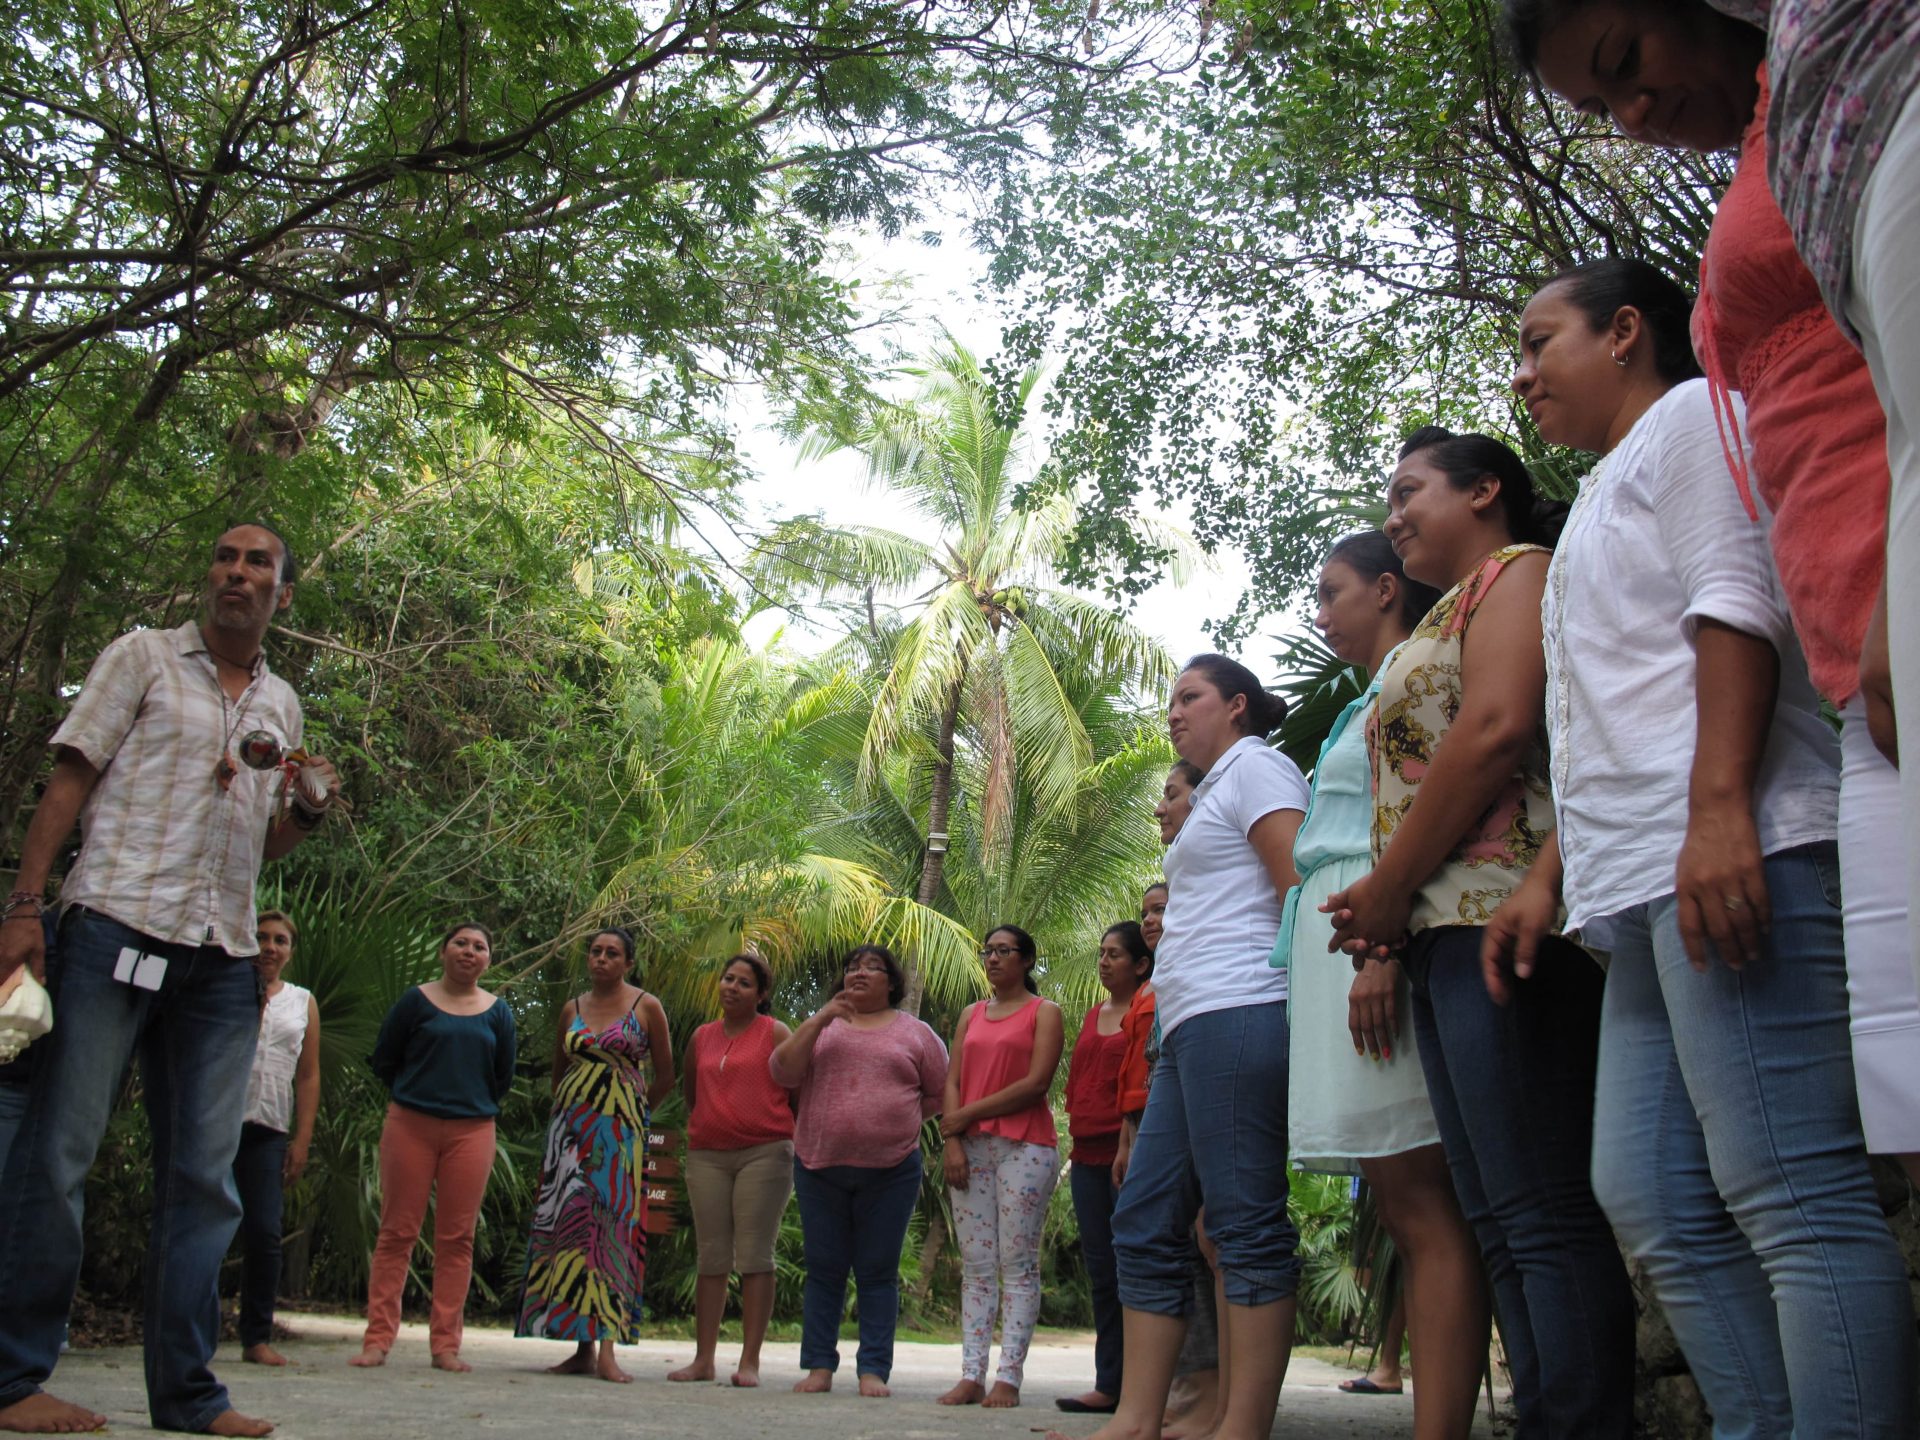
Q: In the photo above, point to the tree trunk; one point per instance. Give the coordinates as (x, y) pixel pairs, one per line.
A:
(933, 865)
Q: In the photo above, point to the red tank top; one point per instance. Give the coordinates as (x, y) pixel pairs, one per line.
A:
(735, 1101)
(996, 1054)
(1093, 1092)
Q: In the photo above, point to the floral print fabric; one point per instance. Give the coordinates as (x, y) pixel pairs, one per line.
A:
(1420, 693)
(999, 1217)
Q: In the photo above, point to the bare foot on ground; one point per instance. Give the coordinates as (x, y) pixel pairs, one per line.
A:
(368, 1358)
(608, 1368)
(697, 1370)
(967, 1392)
(818, 1382)
(450, 1361)
(1112, 1430)
(874, 1388)
(747, 1377)
(45, 1414)
(1002, 1397)
(263, 1355)
(232, 1422)
(578, 1363)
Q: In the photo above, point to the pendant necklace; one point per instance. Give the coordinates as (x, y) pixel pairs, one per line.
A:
(224, 770)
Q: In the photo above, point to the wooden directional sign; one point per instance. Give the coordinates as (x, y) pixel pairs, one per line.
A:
(664, 1190)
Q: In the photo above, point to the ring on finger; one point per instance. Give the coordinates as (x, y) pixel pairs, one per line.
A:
(1734, 902)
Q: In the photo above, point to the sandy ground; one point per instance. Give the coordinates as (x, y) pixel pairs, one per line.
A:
(508, 1395)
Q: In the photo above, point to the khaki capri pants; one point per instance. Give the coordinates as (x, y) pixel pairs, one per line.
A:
(738, 1197)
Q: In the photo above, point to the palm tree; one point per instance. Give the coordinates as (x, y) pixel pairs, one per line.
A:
(992, 654)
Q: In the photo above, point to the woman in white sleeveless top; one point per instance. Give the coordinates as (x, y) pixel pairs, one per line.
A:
(283, 1096)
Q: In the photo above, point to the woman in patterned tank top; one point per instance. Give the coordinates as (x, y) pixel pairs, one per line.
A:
(1461, 805)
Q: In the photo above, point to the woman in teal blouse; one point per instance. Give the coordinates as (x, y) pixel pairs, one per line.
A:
(1358, 1098)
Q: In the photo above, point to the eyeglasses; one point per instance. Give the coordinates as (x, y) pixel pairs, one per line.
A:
(879, 966)
(1003, 952)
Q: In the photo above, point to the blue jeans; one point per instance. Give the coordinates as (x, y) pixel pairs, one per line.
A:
(13, 1109)
(1728, 1154)
(1512, 1091)
(195, 1039)
(258, 1171)
(1094, 1196)
(853, 1218)
(1214, 1133)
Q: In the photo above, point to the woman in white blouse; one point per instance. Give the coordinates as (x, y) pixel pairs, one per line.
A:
(1695, 785)
(1215, 1127)
(283, 1096)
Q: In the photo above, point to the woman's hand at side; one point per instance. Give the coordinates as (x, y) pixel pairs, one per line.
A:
(1373, 1008)
(955, 1162)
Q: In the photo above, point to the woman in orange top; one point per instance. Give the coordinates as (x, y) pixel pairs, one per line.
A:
(739, 1164)
(1002, 1159)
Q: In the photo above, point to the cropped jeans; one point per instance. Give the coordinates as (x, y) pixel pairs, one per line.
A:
(1215, 1133)
(1728, 1154)
(195, 1037)
(1512, 1092)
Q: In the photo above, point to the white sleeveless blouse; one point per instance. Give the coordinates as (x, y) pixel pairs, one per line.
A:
(283, 1034)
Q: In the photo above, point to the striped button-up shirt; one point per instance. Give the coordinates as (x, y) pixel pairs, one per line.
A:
(165, 848)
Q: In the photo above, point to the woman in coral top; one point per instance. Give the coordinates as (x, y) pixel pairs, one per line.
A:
(1002, 1161)
(1093, 1120)
(739, 1164)
(1818, 441)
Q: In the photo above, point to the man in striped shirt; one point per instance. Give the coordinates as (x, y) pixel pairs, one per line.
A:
(155, 941)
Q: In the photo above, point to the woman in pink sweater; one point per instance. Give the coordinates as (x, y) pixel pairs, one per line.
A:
(868, 1075)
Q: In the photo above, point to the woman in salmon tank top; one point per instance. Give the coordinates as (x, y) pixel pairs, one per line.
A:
(1002, 1160)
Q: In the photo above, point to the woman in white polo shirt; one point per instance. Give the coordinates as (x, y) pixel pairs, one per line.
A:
(1215, 1127)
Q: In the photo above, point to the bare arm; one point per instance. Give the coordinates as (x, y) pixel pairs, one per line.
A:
(1272, 838)
(1876, 682)
(954, 1156)
(1720, 880)
(660, 1048)
(793, 1057)
(306, 1096)
(560, 1057)
(686, 1075)
(1503, 683)
(1049, 1038)
(73, 779)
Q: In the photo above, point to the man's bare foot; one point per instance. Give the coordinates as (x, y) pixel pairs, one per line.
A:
(698, 1370)
(368, 1358)
(232, 1422)
(608, 1368)
(1196, 1424)
(263, 1355)
(874, 1388)
(818, 1382)
(747, 1377)
(578, 1363)
(1002, 1397)
(44, 1414)
(967, 1392)
(450, 1361)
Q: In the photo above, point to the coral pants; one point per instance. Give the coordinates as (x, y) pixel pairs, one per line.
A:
(451, 1159)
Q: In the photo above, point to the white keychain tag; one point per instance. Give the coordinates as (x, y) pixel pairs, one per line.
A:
(123, 967)
(143, 972)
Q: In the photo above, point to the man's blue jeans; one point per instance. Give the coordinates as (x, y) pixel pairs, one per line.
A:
(195, 1038)
(1214, 1132)
(853, 1218)
(1728, 1154)
(1512, 1092)
(1094, 1197)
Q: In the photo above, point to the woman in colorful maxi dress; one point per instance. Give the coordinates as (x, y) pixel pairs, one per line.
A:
(587, 1258)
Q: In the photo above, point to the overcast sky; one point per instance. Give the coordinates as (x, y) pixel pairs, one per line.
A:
(946, 286)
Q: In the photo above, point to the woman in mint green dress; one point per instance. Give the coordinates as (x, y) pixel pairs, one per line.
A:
(1357, 1098)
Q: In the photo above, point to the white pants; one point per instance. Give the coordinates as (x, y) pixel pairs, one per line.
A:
(1885, 309)
(1883, 1001)
(1000, 1216)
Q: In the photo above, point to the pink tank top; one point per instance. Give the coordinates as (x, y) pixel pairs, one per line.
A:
(996, 1054)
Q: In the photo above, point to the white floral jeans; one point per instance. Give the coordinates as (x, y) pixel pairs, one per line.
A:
(999, 1216)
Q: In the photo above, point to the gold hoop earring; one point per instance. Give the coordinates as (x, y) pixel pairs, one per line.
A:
(1617, 359)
